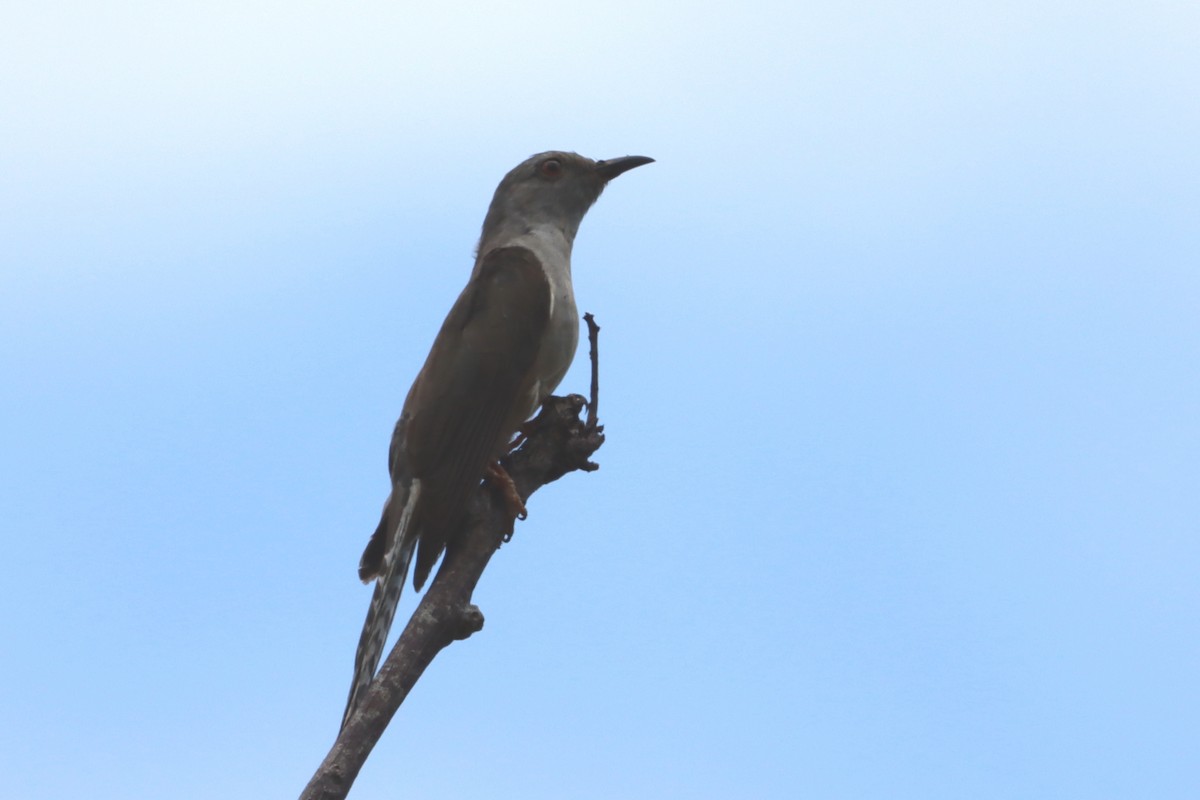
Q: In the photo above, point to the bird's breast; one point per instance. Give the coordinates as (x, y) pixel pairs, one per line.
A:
(552, 247)
(560, 342)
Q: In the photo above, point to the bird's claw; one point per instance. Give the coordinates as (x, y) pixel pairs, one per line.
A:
(498, 477)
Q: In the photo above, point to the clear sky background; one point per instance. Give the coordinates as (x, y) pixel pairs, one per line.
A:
(899, 370)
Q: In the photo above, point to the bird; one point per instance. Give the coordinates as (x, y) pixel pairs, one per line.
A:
(505, 345)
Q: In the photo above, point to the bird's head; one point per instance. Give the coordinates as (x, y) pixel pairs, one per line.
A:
(552, 188)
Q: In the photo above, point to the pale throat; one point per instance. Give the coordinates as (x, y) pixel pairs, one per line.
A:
(552, 246)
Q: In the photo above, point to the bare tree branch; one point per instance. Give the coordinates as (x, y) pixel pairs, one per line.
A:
(594, 355)
(558, 442)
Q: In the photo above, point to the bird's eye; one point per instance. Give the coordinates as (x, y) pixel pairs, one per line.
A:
(551, 168)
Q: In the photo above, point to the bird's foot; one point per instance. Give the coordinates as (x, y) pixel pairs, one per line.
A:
(498, 477)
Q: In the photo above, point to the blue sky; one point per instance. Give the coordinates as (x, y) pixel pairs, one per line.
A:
(900, 355)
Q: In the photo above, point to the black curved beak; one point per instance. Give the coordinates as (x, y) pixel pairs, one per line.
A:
(613, 167)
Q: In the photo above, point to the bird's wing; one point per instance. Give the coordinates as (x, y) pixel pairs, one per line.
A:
(475, 381)
(455, 419)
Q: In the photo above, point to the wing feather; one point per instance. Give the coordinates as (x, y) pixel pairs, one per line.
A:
(473, 390)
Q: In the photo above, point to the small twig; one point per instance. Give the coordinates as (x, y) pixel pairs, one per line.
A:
(594, 355)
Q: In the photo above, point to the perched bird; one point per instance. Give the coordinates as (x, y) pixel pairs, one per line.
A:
(503, 348)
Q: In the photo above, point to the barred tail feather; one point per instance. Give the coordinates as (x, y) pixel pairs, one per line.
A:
(384, 601)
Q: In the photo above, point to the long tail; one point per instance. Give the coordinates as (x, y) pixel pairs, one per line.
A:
(382, 611)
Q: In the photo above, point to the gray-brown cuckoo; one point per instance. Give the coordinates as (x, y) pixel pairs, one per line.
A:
(506, 343)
